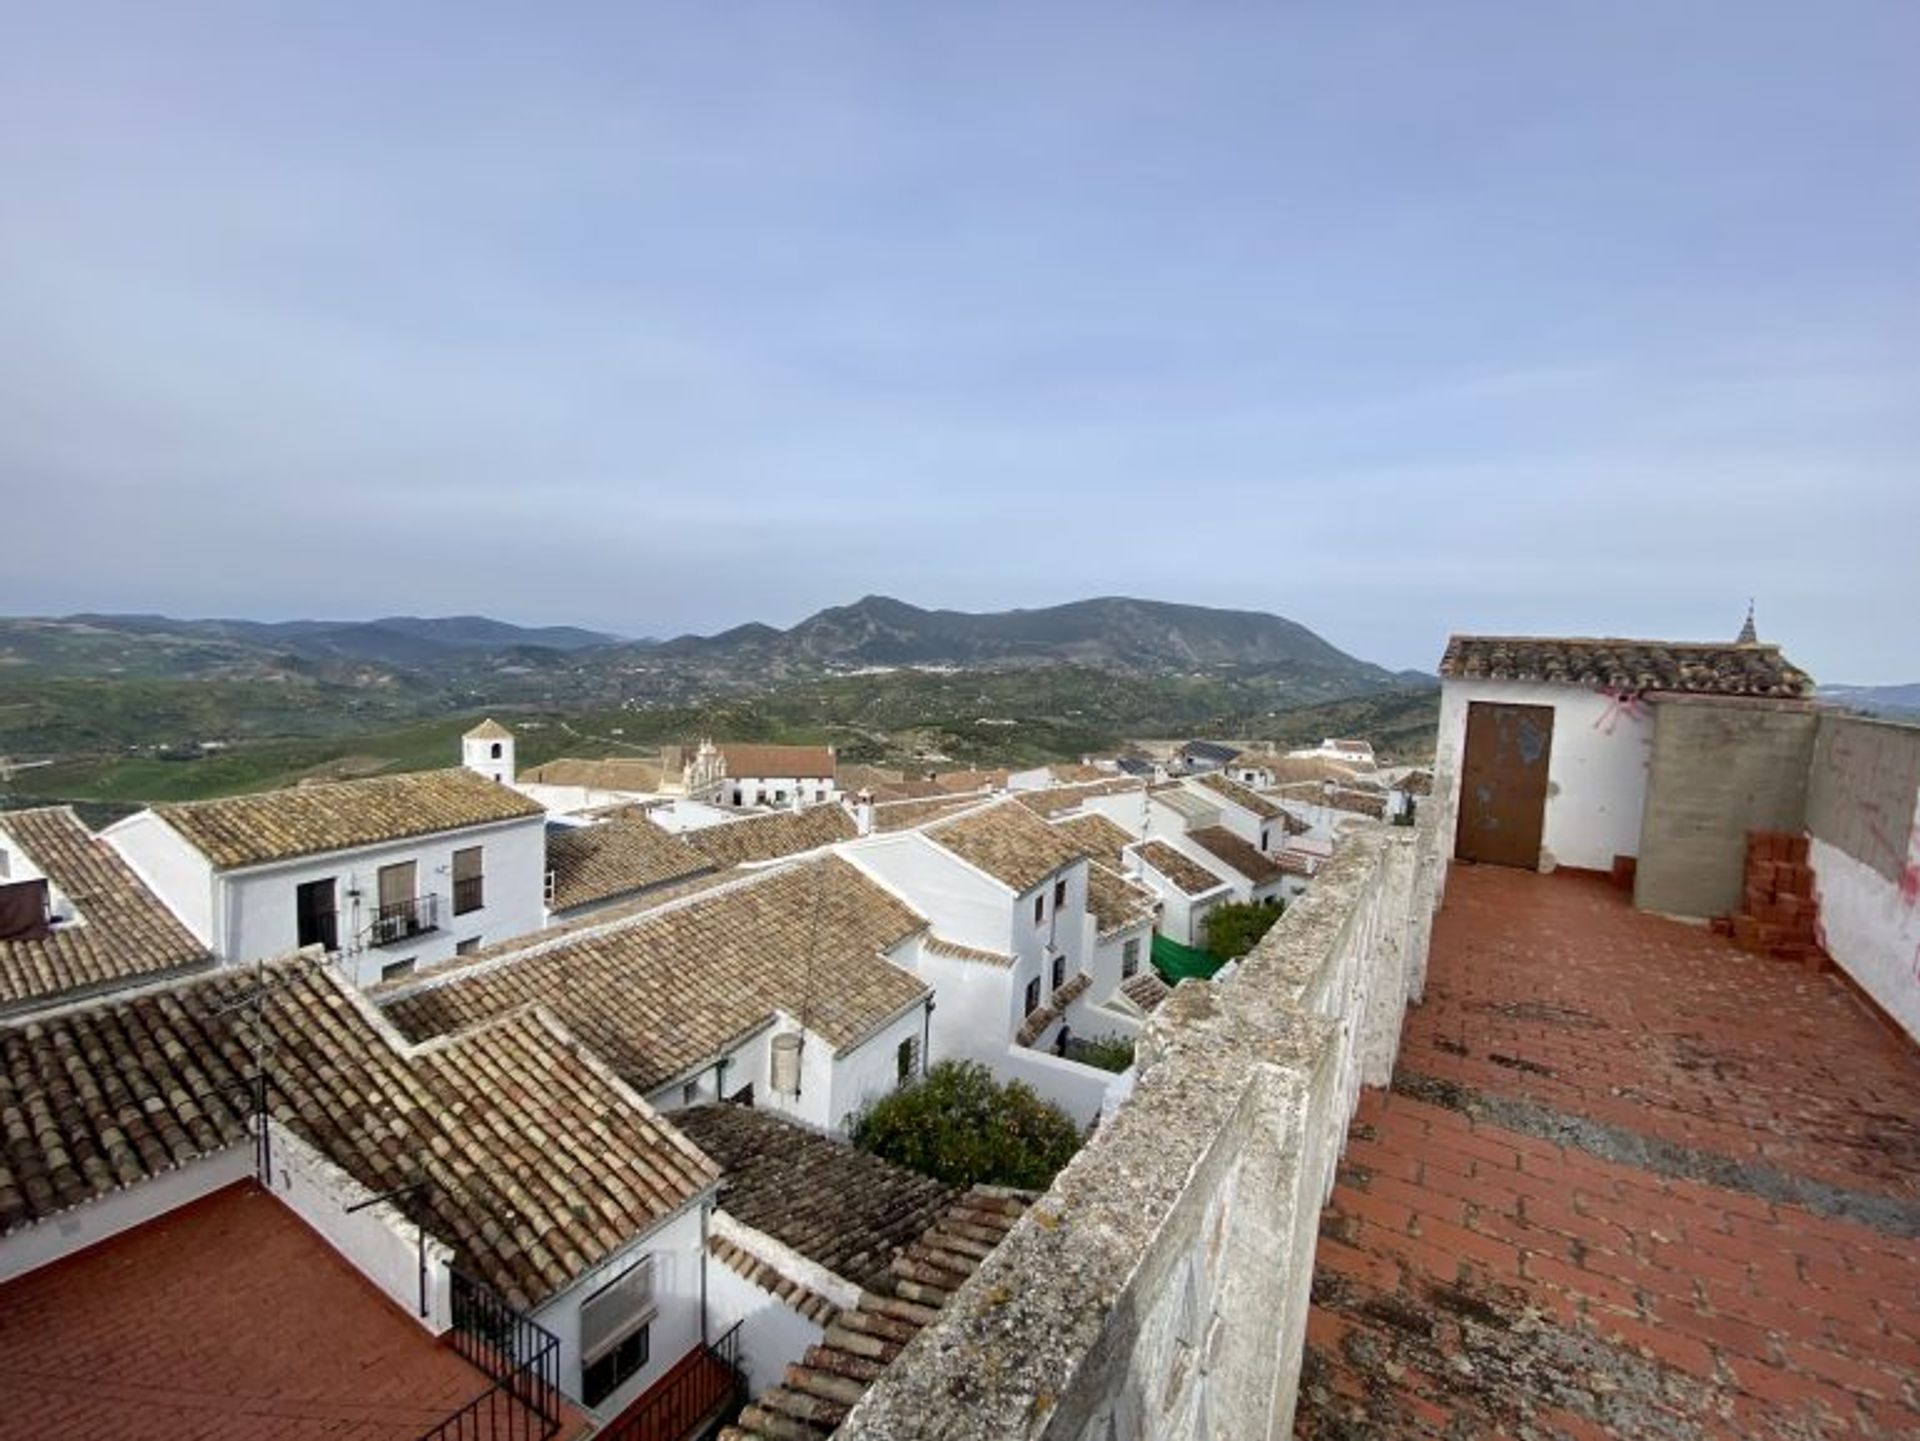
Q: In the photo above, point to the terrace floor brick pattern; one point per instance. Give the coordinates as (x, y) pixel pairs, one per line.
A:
(226, 1319)
(1628, 1182)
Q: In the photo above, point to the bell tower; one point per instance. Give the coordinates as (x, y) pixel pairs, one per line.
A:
(488, 749)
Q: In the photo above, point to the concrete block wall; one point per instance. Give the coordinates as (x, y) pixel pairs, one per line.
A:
(1160, 1288)
(1721, 767)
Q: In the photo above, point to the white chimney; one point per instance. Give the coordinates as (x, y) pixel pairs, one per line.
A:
(863, 813)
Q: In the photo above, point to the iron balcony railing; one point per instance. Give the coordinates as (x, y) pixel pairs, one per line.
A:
(469, 894)
(398, 922)
(522, 1357)
(703, 1390)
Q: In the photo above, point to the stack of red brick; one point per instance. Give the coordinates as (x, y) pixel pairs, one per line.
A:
(1780, 916)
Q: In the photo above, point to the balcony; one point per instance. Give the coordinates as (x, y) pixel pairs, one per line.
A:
(398, 922)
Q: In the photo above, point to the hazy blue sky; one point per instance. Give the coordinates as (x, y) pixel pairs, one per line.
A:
(1392, 317)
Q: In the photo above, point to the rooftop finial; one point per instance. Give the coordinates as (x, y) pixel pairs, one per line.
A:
(1748, 636)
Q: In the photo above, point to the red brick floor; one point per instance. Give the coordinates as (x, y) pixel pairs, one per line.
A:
(1628, 1183)
(227, 1318)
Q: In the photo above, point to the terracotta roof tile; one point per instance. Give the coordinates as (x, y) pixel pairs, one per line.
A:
(800, 1298)
(1626, 665)
(1182, 870)
(669, 988)
(614, 773)
(1101, 838)
(772, 836)
(540, 1163)
(615, 858)
(1242, 796)
(1059, 800)
(1249, 860)
(1036, 1024)
(958, 951)
(309, 820)
(489, 730)
(767, 762)
(1008, 842)
(1116, 903)
(1146, 990)
(838, 1206)
(904, 815)
(123, 933)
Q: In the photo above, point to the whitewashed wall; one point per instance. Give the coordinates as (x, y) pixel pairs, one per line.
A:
(1596, 768)
(173, 870)
(1871, 928)
(871, 1070)
(772, 1334)
(973, 1004)
(963, 904)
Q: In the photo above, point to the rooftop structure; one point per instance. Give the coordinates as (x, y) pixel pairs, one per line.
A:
(904, 815)
(1245, 797)
(754, 839)
(1183, 871)
(1102, 838)
(593, 864)
(113, 930)
(742, 758)
(635, 775)
(1744, 668)
(1062, 800)
(1248, 860)
(1007, 842)
(1116, 903)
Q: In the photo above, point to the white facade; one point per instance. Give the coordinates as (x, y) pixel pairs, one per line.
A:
(1260, 832)
(1870, 928)
(1182, 917)
(772, 1334)
(1597, 765)
(253, 912)
(488, 750)
(774, 792)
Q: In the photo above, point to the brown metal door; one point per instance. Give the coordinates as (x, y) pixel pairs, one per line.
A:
(1503, 784)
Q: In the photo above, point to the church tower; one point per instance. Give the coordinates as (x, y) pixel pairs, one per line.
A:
(488, 749)
(1748, 635)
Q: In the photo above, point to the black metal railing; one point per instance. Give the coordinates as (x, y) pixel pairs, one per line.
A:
(521, 1356)
(702, 1390)
(400, 921)
(469, 894)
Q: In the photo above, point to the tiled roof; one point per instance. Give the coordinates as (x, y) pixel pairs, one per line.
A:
(489, 730)
(615, 773)
(765, 762)
(1036, 1024)
(1059, 800)
(1242, 796)
(1191, 808)
(1365, 803)
(1415, 783)
(819, 1391)
(310, 820)
(1067, 775)
(1146, 990)
(958, 951)
(1209, 750)
(1249, 860)
(802, 1299)
(1183, 871)
(904, 815)
(125, 933)
(838, 1206)
(614, 858)
(771, 836)
(955, 782)
(540, 1163)
(1295, 863)
(1626, 665)
(1008, 842)
(1286, 770)
(668, 989)
(1101, 838)
(1115, 902)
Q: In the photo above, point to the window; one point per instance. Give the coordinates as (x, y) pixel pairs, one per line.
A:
(1059, 893)
(1039, 908)
(690, 1093)
(1130, 959)
(1059, 972)
(466, 947)
(496, 750)
(614, 1322)
(316, 922)
(469, 886)
(907, 1058)
(1033, 995)
(394, 970)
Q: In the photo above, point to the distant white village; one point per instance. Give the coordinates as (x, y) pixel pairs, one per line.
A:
(595, 953)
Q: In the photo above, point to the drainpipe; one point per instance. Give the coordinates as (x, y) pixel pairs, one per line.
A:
(926, 1035)
(706, 1208)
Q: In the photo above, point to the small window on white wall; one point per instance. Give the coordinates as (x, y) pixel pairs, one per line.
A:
(614, 1321)
(1130, 959)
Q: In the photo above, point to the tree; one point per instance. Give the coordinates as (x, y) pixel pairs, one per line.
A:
(958, 1124)
(1235, 928)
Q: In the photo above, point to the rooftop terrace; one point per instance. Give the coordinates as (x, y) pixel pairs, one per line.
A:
(1627, 1182)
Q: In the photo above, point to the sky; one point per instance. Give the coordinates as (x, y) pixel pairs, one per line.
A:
(1396, 318)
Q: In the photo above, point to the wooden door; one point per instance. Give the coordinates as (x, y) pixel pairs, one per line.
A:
(1503, 784)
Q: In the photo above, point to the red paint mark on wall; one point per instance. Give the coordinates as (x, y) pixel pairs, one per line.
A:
(1621, 705)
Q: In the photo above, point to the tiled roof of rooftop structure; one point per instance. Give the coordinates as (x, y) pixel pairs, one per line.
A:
(669, 988)
(1249, 860)
(1059, 800)
(754, 761)
(1191, 808)
(959, 951)
(616, 858)
(835, 1204)
(1286, 770)
(1415, 783)
(1115, 902)
(125, 934)
(1076, 774)
(1102, 838)
(1188, 874)
(1243, 796)
(817, 1393)
(540, 1162)
(1035, 1025)
(1146, 990)
(614, 773)
(278, 825)
(227, 1317)
(796, 1295)
(772, 836)
(489, 730)
(956, 782)
(1626, 665)
(1364, 803)
(904, 815)
(1008, 842)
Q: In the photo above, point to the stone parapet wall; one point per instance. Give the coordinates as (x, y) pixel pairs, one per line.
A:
(1160, 1288)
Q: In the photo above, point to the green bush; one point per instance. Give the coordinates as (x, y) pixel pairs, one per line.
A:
(1109, 1053)
(1236, 928)
(958, 1124)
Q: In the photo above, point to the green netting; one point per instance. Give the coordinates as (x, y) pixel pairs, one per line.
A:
(1176, 962)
